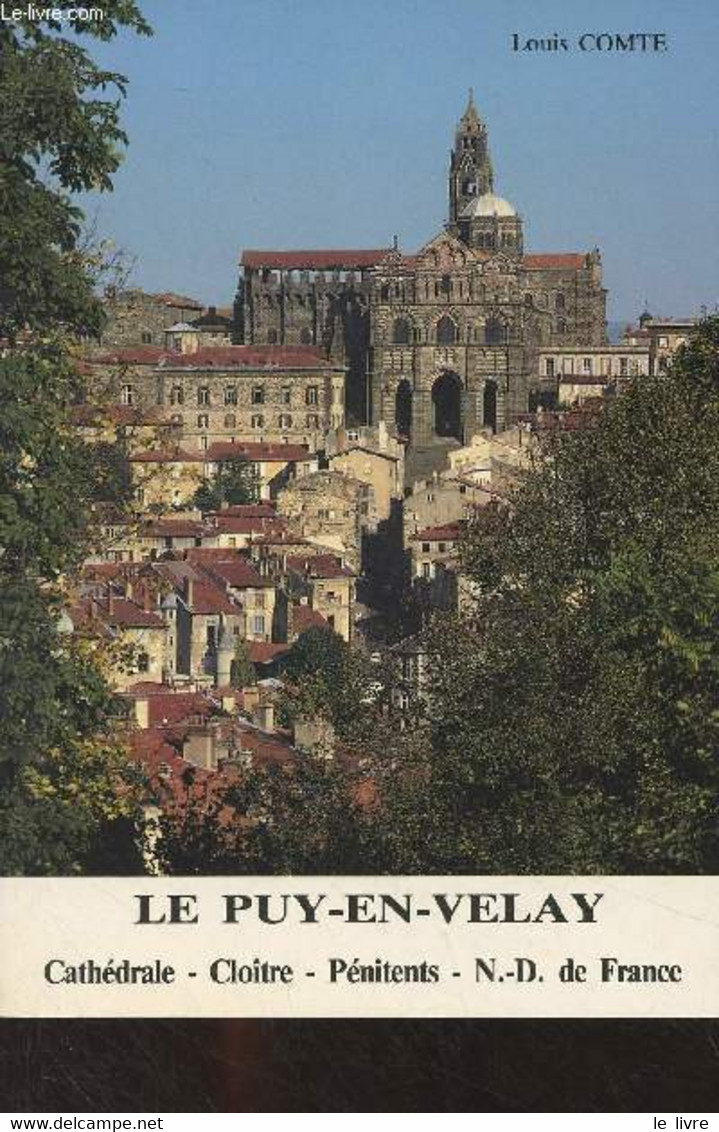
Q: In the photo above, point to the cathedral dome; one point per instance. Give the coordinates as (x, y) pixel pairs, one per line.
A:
(487, 205)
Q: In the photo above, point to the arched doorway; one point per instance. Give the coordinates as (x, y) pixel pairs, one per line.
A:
(489, 404)
(403, 408)
(447, 405)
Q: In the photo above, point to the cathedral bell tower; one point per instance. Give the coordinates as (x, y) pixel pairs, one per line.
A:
(470, 169)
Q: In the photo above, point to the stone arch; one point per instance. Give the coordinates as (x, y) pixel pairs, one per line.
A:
(495, 332)
(401, 331)
(403, 408)
(447, 405)
(446, 331)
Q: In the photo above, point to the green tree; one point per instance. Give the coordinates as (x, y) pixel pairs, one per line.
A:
(304, 817)
(242, 669)
(328, 679)
(234, 482)
(59, 134)
(578, 723)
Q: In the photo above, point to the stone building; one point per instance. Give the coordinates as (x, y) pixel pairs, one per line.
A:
(331, 509)
(444, 342)
(227, 393)
(137, 318)
(660, 337)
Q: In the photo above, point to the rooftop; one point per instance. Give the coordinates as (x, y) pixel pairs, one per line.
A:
(321, 259)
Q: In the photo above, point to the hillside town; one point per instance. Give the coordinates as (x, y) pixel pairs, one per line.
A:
(307, 459)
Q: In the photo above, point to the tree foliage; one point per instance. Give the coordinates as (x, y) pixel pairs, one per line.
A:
(234, 482)
(59, 134)
(328, 679)
(578, 720)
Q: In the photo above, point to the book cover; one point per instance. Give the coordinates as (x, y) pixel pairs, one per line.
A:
(359, 370)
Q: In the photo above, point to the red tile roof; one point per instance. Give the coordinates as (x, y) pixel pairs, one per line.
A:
(124, 613)
(446, 532)
(257, 451)
(168, 707)
(249, 357)
(117, 613)
(209, 598)
(241, 525)
(250, 510)
(318, 566)
(304, 618)
(264, 652)
(320, 259)
(175, 528)
(238, 573)
(571, 260)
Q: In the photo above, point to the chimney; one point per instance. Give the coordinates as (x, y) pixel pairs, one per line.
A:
(250, 698)
(199, 746)
(264, 716)
(189, 591)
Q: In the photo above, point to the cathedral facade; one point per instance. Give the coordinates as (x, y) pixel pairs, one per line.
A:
(445, 342)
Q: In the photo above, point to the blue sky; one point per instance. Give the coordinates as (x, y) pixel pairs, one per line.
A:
(328, 123)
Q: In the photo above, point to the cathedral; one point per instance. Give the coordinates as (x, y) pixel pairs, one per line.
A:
(442, 343)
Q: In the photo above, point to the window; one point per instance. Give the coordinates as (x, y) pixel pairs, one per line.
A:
(211, 636)
(258, 394)
(586, 365)
(624, 366)
(664, 342)
(305, 336)
(561, 326)
(549, 367)
(257, 420)
(495, 332)
(311, 395)
(401, 332)
(230, 420)
(127, 395)
(285, 420)
(446, 331)
(177, 395)
(559, 301)
(203, 395)
(143, 662)
(442, 547)
(260, 599)
(258, 623)
(425, 548)
(426, 569)
(203, 443)
(203, 420)
(286, 395)
(313, 421)
(230, 394)
(146, 338)
(272, 336)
